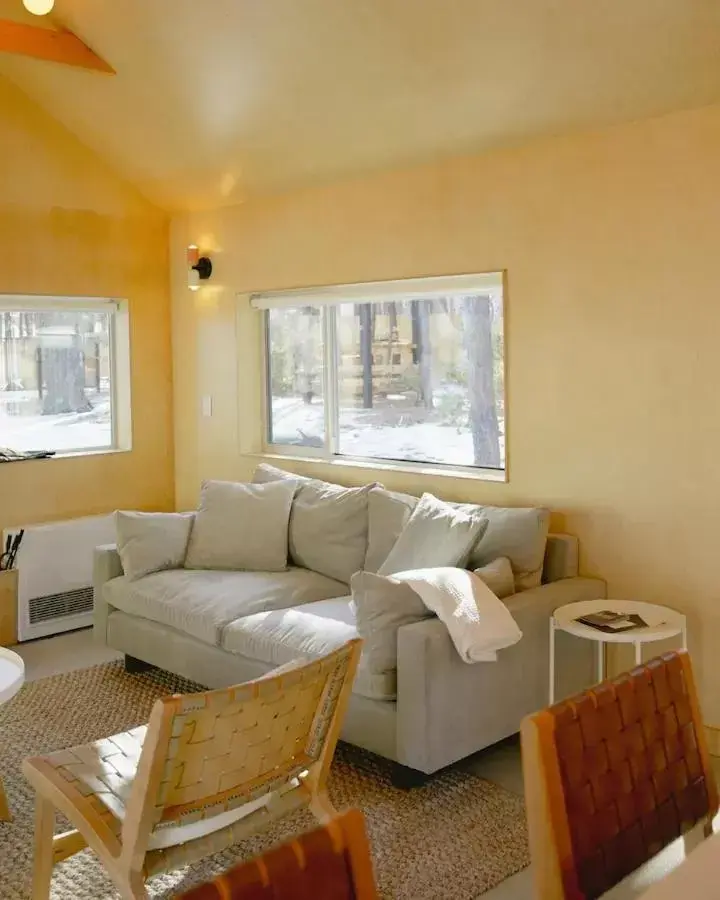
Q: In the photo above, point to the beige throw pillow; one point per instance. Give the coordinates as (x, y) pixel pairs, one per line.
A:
(498, 576)
(518, 533)
(152, 542)
(328, 524)
(241, 527)
(381, 606)
(436, 534)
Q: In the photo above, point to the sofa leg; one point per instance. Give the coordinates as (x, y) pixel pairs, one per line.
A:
(136, 666)
(406, 779)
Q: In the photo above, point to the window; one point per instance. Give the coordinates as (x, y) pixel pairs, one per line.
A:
(406, 372)
(64, 374)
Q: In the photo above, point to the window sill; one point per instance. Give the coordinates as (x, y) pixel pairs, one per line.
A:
(69, 454)
(380, 465)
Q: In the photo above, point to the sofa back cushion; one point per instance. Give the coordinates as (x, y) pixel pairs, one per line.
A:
(328, 524)
(520, 534)
(241, 526)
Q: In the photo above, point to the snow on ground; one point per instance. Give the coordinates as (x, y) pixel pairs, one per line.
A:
(360, 436)
(23, 428)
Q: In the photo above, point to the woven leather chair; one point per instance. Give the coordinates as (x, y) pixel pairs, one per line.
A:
(208, 770)
(614, 775)
(331, 863)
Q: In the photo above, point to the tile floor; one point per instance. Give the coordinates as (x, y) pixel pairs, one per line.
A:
(500, 764)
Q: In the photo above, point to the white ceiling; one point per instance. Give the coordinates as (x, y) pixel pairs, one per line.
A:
(216, 100)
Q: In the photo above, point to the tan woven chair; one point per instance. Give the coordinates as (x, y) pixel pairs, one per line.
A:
(330, 863)
(614, 775)
(208, 770)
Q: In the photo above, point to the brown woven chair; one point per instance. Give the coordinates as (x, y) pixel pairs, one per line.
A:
(614, 775)
(331, 863)
(208, 770)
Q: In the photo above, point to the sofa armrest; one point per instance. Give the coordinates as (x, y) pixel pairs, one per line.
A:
(106, 566)
(448, 709)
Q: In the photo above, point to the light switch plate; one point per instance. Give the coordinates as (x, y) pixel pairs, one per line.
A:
(207, 406)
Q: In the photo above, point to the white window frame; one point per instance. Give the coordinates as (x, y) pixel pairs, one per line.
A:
(331, 296)
(119, 333)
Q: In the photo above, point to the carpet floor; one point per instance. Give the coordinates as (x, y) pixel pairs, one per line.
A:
(454, 838)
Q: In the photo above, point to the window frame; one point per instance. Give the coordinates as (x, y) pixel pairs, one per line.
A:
(329, 453)
(119, 360)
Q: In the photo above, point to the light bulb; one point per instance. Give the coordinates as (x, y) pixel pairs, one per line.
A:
(39, 7)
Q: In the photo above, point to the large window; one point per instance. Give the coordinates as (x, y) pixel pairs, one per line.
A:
(410, 372)
(63, 375)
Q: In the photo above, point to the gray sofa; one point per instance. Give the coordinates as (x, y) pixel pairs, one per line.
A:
(222, 628)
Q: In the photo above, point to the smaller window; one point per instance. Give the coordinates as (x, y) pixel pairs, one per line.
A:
(64, 375)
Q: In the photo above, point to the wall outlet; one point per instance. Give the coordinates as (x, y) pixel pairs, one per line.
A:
(207, 406)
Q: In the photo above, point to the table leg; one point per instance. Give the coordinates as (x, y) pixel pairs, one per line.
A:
(4, 808)
(601, 661)
(638, 653)
(684, 637)
(551, 692)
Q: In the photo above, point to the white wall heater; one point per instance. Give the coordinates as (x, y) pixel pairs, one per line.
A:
(55, 564)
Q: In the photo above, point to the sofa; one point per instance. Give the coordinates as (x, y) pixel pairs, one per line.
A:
(221, 627)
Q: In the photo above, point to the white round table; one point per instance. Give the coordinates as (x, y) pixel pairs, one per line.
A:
(663, 623)
(12, 677)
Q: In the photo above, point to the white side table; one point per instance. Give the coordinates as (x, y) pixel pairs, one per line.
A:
(663, 623)
(12, 677)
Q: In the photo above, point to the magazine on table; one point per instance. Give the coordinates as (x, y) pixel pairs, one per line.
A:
(612, 622)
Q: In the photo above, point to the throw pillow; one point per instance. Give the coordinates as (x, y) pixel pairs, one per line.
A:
(241, 526)
(436, 534)
(151, 542)
(498, 576)
(328, 524)
(520, 535)
(381, 606)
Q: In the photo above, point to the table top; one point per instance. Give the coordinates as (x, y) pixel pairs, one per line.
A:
(12, 674)
(663, 622)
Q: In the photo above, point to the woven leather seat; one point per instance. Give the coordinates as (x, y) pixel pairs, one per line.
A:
(614, 775)
(208, 770)
(330, 863)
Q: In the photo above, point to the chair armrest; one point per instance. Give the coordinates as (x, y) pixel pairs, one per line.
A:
(448, 709)
(106, 566)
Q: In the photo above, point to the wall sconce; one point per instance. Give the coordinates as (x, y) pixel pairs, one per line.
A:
(199, 267)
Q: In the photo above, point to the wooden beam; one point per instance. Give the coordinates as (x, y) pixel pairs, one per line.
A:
(54, 46)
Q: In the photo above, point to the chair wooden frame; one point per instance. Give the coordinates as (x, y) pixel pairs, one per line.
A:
(332, 861)
(202, 757)
(557, 811)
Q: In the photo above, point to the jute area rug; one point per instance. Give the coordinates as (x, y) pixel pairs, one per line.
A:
(455, 838)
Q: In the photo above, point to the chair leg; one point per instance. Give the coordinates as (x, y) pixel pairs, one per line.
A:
(5, 815)
(322, 808)
(44, 859)
(134, 888)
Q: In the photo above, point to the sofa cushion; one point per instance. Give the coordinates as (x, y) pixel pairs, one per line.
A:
(203, 603)
(498, 576)
(150, 542)
(520, 534)
(328, 524)
(436, 534)
(388, 513)
(308, 631)
(241, 526)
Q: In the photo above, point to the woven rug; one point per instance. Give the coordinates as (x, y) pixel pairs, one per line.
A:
(454, 838)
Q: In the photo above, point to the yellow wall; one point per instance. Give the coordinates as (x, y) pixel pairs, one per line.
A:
(70, 226)
(611, 242)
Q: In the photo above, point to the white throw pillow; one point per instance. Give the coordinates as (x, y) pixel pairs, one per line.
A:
(241, 527)
(381, 606)
(498, 576)
(328, 523)
(436, 534)
(152, 542)
(478, 622)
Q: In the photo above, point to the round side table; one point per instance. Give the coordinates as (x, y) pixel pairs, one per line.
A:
(663, 623)
(12, 676)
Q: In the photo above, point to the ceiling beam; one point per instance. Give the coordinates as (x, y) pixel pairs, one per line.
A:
(54, 46)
